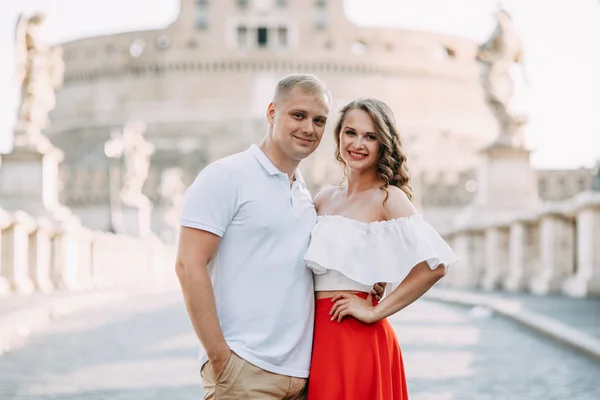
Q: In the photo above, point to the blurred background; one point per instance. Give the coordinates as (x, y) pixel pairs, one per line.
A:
(109, 109)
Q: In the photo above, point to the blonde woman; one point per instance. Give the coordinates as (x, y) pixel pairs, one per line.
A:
(367, 231)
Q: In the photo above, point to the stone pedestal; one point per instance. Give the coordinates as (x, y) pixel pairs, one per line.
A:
(136, 220)
(506, 183)
(29, 181)
(586, 279)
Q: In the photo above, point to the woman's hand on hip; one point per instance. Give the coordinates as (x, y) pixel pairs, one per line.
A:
(348, 304)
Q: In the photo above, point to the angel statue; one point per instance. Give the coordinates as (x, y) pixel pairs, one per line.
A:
(499, 54)
(136, 157)
(39, 72)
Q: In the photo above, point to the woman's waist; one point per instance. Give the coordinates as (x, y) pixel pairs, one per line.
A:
(329, 294)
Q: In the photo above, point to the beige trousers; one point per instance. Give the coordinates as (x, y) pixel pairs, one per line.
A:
(242, 380)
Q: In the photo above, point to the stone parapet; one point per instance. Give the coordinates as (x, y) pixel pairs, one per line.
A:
(37, 255)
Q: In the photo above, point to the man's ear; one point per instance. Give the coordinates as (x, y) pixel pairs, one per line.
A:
(271, 113)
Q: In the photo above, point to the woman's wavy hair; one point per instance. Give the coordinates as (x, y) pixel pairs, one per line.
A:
(391, 167)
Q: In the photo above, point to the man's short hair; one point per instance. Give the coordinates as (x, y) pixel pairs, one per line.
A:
(307, 82)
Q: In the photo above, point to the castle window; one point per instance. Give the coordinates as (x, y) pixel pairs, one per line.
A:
(321, 21)
(542, 186)
(282, 3)
(137, 48)
(262, 36)
(201, 21)
(282, 36)
(321, 3)
(163, 41)
(359, 47)
(202, 3)
(243, 3)
(242, 36)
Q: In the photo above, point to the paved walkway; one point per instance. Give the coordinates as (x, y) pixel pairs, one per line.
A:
(143, 348)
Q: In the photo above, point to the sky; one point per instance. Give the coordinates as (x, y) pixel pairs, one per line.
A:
(561, 38)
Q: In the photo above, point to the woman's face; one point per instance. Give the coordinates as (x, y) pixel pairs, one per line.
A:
(359, 147)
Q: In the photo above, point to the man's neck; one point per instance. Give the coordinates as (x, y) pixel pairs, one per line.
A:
(283, 163)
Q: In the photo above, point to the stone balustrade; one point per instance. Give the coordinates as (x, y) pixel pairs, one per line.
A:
(37, 255)
(553, 249)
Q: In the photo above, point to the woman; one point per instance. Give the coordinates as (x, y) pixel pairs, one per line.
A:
(367, 231)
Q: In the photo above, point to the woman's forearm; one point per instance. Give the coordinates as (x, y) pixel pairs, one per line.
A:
(417, 283)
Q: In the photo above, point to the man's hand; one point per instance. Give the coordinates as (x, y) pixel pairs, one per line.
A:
(378, 290)
(218, 362)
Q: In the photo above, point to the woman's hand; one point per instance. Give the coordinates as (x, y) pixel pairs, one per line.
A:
(349, 304)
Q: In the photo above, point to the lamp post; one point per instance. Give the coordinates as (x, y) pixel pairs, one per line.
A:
(113, 149)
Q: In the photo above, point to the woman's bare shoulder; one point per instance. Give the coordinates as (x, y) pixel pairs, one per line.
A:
(398, 205)
(325, 195)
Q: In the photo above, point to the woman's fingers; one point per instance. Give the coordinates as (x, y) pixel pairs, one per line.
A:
(338, 304)
(342, 314)
(340, 296)
(338, 312)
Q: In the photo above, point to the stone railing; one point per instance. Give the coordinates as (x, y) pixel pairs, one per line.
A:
(38, 255)
(555, 249)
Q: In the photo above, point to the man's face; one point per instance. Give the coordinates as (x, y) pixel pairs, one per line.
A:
(298, 122)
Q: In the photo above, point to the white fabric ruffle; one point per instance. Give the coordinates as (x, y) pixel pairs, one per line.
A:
(373, 252)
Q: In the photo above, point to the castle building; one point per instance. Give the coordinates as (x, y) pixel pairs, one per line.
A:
(202, 85)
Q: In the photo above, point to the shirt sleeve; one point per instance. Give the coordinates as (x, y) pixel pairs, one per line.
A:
(211, 201)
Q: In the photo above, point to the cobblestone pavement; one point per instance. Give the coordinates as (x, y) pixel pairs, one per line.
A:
(144, 349)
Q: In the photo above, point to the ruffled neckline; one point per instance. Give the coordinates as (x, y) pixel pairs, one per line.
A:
(367, 226)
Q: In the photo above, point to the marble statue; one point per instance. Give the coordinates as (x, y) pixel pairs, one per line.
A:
(39, 72)
(499, 54)
(136, 158)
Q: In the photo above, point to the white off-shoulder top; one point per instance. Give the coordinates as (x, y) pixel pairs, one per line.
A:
(346, 254)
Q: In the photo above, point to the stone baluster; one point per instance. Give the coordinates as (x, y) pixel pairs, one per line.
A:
(586, 279)
(522, 245)
(40, 256)
(496, 260)
(100, 259)
(15, 254)
(449, 279)
(464, 275)
(65, 256)
(85, 279)
(5, 221)
(557, 252)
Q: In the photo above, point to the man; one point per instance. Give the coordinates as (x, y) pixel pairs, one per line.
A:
(246, 224)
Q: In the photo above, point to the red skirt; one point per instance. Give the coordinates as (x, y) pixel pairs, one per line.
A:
(352, 360)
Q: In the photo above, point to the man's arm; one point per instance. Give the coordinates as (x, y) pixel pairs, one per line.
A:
(196, 250)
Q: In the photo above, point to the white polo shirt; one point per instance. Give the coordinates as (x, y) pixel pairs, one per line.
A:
(263, 290)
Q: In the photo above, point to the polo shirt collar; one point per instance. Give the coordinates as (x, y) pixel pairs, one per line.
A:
(270, 167)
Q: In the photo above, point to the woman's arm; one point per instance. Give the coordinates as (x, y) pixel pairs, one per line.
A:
(420, 279)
